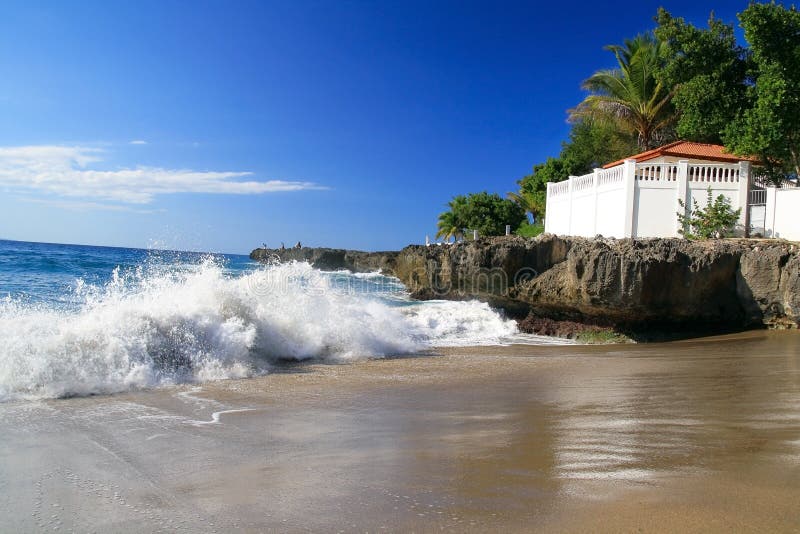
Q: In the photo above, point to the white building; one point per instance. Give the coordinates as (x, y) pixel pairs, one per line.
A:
(638, 196)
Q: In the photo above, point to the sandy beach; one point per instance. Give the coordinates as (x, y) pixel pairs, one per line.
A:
(700, 435)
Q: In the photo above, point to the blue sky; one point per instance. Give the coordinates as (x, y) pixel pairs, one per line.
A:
(220, 125)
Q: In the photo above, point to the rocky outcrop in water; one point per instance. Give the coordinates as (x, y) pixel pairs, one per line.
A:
(648, 284)
(331, 259)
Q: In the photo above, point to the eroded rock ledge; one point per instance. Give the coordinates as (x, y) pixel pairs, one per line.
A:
(631, 285)
(331, 259)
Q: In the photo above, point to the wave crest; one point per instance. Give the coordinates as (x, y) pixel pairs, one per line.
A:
(149, 327)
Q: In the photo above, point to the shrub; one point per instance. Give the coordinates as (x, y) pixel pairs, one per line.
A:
(530, 230)
(717, 219)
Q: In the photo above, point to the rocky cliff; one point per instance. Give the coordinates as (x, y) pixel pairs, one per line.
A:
(651, 284)
(630, 285)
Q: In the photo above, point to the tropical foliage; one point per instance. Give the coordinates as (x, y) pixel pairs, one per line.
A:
(681, 81)
(631, 97)
(746, 98)
(707, 72)
(530, 230)
(448, 226)
(770, 125)
(487, 213)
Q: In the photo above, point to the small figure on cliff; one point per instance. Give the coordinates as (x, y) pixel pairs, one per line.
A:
(264, 245)
(283, 247)
(298, 245)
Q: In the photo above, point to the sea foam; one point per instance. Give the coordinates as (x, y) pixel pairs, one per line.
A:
(149, 327)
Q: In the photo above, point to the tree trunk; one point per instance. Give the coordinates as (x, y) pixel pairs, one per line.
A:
(795, 160)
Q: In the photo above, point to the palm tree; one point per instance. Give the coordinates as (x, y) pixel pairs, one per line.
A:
(630, 97)
(448, 226)
(529, 202)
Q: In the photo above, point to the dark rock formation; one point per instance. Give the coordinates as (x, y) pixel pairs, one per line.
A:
(635, 285)
(768, 285)
(629, 285)
(331, 259)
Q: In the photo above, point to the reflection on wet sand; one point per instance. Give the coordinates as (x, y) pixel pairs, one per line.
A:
(695, 435)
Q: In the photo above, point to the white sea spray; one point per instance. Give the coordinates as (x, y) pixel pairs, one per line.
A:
(149, 327)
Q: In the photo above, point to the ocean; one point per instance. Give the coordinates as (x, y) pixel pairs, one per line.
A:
(80, 320)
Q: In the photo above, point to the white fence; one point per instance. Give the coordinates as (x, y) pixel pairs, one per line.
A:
(781, 211)
(641, 199)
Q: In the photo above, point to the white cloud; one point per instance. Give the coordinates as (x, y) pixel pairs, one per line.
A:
(65, 171)
(138, 142)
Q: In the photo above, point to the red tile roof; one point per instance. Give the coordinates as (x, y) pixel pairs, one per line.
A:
(685, 149)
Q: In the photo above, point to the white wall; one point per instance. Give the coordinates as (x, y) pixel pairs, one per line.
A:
(610, 217)
(783, 214)
(655, 210)
(588, 205)
(640, 200)
(557, 219)
(758, 218)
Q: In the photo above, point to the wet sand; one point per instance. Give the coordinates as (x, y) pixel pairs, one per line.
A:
(699, 435)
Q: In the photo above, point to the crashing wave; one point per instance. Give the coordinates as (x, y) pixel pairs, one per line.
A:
(149, 327)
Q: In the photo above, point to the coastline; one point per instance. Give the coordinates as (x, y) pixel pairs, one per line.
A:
(689, 435)
(600, 289)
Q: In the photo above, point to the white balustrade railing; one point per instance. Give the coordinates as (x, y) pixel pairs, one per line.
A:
(657, 172)
(713, 172)
(611, 176)
(582, 183)
(560, 188)
(649, 172)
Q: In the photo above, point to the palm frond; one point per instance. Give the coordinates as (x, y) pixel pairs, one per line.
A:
(630, 97)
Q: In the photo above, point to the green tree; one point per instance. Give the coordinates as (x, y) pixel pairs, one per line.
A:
(708, 73)
(593, 144)
(770, 127)
(487, 213)
(449, 226)
(630, 97)
(533, 187)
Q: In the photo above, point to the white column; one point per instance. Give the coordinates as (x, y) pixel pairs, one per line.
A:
(682, 193)
(629, 179)
(744, 196)
(769, 216)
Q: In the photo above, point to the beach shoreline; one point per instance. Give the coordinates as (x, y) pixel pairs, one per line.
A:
(692, 435)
